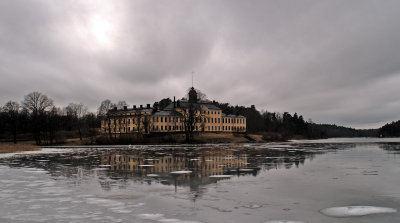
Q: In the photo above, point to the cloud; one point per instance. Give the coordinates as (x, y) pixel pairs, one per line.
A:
(332, 61)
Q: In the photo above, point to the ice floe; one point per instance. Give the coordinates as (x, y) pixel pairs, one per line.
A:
(220, 176)
(180, 172)
(350, 211)
(161, 218)
(284, 221)
(153, 175)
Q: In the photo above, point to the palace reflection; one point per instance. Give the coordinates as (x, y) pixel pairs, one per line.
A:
(203, 164)
(116, 167)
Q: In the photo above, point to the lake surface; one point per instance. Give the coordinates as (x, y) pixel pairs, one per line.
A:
(268, 182)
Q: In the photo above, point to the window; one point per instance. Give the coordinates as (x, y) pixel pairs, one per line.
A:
(218, 120)
(133, 129)
(170, 128)
(161, 126)
(161, 119)
(129, 129)
(212, 128)
(133, 121)
(169, 118)
(208, 128)
(129, 121)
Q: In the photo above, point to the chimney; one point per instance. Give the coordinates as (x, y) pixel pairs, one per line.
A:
(141, 106)
(174, 102)
(179, 104)
(125, 107)
(148, 105)
(115, 108)
(134, 107)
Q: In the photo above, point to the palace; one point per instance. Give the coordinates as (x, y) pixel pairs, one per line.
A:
(179, 116)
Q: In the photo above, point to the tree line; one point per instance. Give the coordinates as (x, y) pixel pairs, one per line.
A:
(37, 118)
(290, 125)
(390, 129)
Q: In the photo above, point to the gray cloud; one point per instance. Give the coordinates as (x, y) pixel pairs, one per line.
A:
(332, 61)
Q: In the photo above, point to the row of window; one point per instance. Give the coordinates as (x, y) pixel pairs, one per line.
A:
(166, 119)
(176, 119)
(211, 112)
(170, 128)
(167, 128)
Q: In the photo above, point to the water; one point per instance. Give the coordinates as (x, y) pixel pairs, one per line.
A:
(299, 181)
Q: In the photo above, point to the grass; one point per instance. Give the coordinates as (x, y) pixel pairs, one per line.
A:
(12, 148)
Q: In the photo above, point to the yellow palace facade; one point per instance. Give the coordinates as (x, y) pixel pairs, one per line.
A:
(178, 116)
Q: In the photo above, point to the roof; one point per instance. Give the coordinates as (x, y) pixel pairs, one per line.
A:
(185, 104)
(131, 110)
(167, 113)
(232, 116)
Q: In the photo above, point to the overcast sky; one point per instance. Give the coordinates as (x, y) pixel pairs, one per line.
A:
(334, 61)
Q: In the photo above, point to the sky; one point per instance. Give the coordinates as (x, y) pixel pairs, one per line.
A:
(335, 62)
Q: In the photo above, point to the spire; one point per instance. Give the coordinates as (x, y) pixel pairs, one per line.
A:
(192, 78)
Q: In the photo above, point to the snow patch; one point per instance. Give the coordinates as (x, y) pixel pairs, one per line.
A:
(284, 221)
(349, 211)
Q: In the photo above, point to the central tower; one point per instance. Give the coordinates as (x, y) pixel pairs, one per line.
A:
(192, 95)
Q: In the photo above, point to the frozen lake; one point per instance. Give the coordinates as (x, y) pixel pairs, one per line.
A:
(335, 180)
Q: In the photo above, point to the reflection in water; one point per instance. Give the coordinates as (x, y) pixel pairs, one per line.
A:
(213, 183)
(394, 148)
(155, 164)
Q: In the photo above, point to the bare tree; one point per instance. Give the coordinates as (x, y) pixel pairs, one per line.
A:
(77, 111)
(193, 117)
(37, 104)
(11, 108)
(102, 111)
(104, 107)
(121, 104)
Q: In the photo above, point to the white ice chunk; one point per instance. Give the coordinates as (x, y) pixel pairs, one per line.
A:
(221, 176)
(151, 216)
(349, 211)
(284, 221)
(153, 175)
(181, 172)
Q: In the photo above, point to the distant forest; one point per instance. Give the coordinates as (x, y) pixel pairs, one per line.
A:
(291, 125)
(38, 119)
